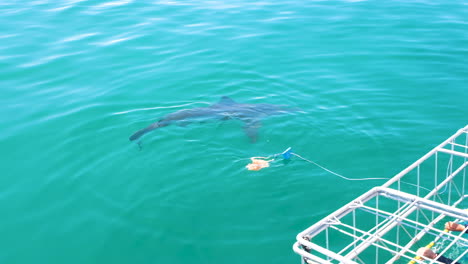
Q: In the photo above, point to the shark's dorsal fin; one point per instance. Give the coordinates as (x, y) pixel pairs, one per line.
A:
(226, 100)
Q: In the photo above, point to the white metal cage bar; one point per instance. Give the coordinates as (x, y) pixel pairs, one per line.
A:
(407, 210)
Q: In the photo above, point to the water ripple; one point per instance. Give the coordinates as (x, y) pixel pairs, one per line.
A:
(366, 83)
(48, 59)
(158, 107)
(79, 37)
(111, 4)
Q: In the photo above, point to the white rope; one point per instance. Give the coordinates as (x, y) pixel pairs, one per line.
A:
(334, 173)
(339, 175)
(351, 179)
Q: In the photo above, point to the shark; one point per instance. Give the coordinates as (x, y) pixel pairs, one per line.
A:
(225, 109)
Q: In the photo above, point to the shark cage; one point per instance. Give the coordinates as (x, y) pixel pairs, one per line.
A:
(389, 223)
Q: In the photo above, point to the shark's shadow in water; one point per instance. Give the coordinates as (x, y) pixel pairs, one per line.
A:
(225, 109)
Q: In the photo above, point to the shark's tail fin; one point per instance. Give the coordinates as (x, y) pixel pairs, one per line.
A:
(143, 131)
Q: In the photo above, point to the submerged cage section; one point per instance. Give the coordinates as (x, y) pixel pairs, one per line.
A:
(390, 222)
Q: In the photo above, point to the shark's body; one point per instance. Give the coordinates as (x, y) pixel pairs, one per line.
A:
(225, 109)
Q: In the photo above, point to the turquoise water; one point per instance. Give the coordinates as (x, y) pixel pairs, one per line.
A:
(378, 84)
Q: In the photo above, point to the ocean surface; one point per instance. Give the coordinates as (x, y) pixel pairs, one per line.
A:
(377, 85)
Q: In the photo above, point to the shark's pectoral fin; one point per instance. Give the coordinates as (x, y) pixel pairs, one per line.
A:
(251, 129)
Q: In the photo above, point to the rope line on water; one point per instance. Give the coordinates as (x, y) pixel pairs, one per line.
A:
(334, 173)
(354, 179)
(259, 163)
